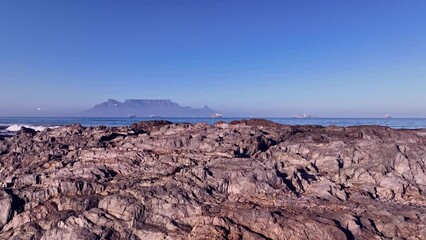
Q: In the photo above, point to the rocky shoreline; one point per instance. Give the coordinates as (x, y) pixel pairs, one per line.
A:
(3, 132)
(250, 179)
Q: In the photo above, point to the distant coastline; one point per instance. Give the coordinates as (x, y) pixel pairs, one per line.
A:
(145, 108)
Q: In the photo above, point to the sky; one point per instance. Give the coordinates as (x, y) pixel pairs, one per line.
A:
(267, 58)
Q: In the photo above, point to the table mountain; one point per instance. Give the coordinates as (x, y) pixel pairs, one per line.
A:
(145, 108)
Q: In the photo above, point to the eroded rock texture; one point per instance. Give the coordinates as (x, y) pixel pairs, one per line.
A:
(243, 180)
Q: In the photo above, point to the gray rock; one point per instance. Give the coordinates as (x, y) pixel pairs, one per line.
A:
(250, 179)
(6, 208)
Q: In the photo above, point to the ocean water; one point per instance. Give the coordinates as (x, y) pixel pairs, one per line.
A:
(8, 125)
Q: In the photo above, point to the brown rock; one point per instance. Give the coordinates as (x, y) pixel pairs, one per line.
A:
(250, 179)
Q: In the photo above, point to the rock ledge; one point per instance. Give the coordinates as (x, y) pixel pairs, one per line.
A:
(250, 179)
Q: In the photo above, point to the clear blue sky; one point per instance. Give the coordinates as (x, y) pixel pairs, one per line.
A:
(262, 58)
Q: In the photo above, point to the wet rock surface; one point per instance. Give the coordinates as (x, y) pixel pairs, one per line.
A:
(250, 179)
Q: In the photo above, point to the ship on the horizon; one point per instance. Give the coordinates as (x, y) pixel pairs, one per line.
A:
(388, 116)
(216, 115)
(304, 116)
(131, 116)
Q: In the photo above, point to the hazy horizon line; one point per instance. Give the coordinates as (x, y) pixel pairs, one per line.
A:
(230, 117)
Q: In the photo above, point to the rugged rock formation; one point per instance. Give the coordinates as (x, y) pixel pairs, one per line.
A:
(145, 108)
(3, 132)
(243, 180)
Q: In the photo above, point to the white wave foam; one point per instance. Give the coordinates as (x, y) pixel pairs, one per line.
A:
(17, 127)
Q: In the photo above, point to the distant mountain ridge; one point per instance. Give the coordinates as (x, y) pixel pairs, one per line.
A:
(146, 108)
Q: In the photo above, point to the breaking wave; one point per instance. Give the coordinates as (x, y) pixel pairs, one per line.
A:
(17, 127)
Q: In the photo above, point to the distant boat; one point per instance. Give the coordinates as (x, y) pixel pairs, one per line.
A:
(216, 115)
(388, 116)
(154, 116)
(304, 116)
(131, 116)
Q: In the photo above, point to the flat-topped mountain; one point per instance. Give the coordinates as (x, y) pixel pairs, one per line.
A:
(145, 108)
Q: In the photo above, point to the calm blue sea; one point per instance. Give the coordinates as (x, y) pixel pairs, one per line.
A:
(9, 124)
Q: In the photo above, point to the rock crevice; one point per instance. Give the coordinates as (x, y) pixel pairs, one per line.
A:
(250, 179)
